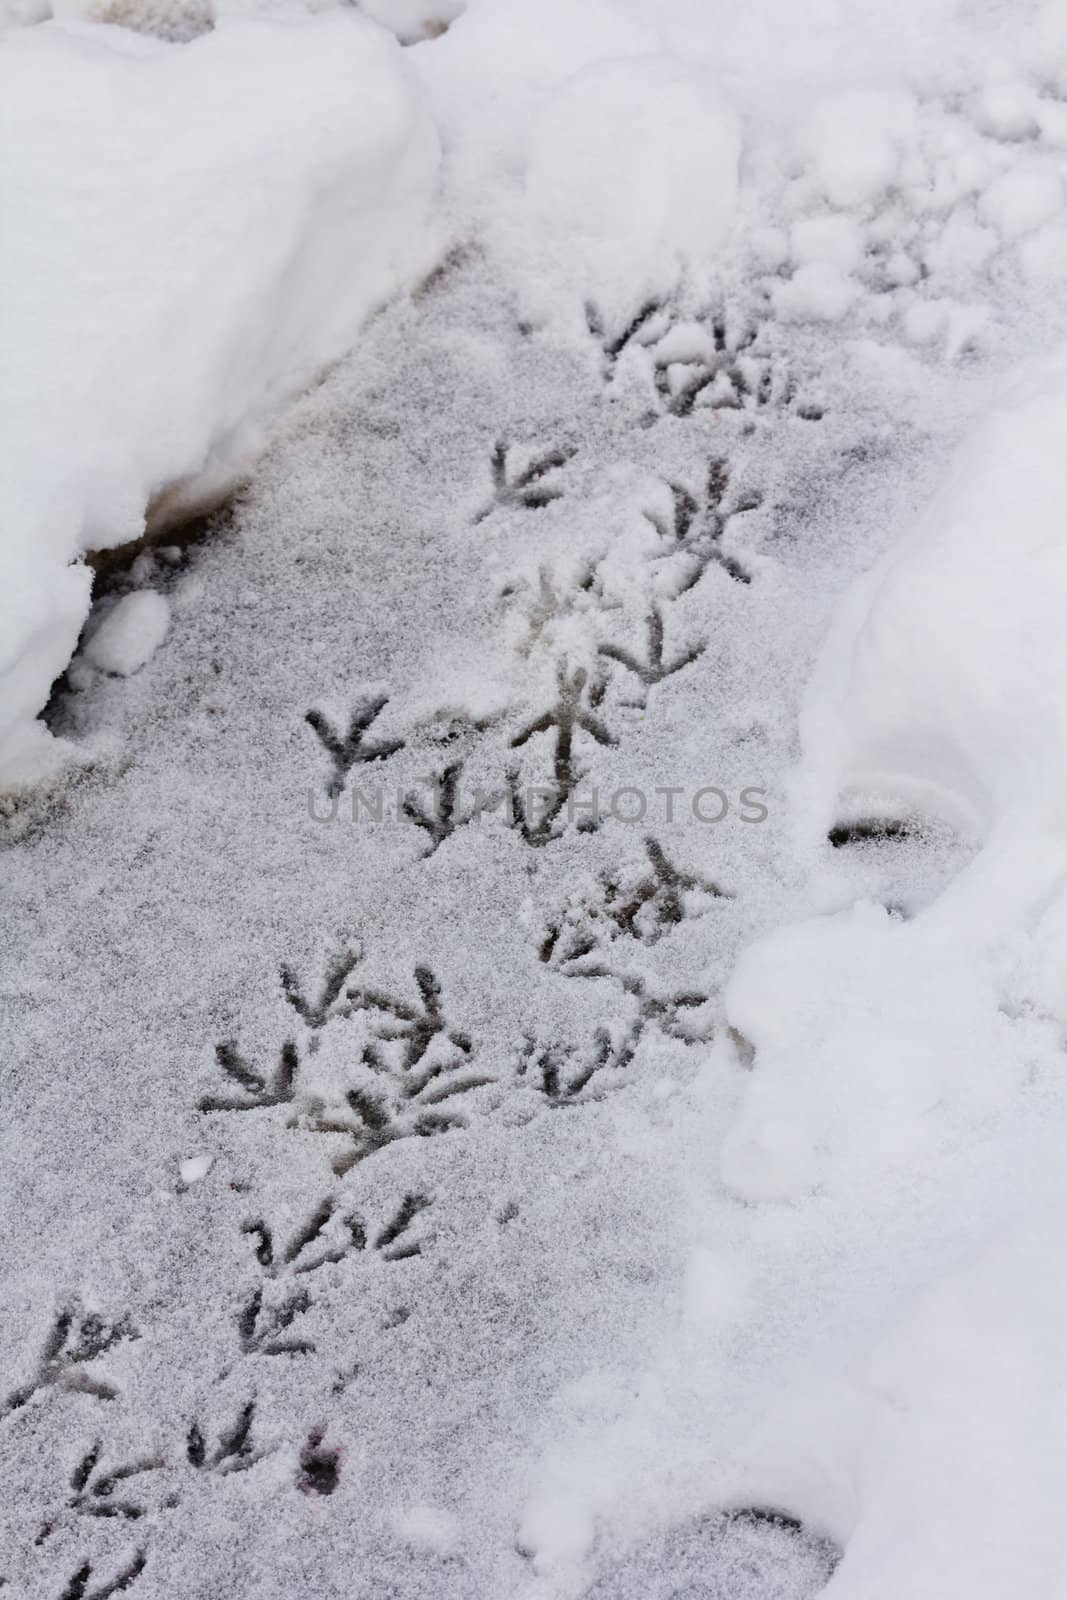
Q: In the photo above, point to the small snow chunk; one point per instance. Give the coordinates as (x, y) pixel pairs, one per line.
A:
(961, 247)
(770, 248)
(130, 634)
(834, 240)
(817, 293)
(924, 321)
(966, 324)
(854, 141)
(1007, 111)
(1018, 202)
(901, 271)
(686, 342)
(195, 1167)
(1042, 256)
(1052, 121)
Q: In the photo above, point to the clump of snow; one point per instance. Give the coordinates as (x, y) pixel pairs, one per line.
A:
(177, 21)
(130, 634)
(171, 280)
(819, 292)
(413, 20)
(855, 142)
(195, 1168)
(1018, 202)
(630, 186)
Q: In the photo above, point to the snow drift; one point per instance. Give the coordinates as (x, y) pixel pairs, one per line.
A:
(941, 687)
(191, 234)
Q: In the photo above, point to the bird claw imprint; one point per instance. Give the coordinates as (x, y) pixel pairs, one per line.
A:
(670, 1013)
(93, 1490)
(654, 669)
(234, 1451)
(258, 1092)
(263, 1330)
(349, 749)
(644, 908)
(441, 818)
(691, 537)
(578, 699)
(552, 601)
(392, 1241)
(728, 366)
(562, 1072)
(317, 1013)
(526, 488)
(74, 1341)
(78, 1586)
(292, 1258)
(647, 326)
(414, 1064)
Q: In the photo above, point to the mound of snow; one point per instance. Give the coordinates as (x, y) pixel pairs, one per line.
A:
(630, 184)
(130, 634)
(191, 234)
(941, 687)
(938, 1463)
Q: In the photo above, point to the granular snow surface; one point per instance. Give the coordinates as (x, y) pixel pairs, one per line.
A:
(535, 1008)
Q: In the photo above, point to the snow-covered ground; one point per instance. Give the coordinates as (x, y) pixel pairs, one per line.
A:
(535, 935)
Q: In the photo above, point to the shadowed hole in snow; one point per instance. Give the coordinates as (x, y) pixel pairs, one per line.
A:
(751, 1554)
(320, 1466)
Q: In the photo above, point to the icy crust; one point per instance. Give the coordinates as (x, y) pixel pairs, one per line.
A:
(169, 279)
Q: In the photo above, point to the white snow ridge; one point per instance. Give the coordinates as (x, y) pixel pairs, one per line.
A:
(533, 759)
(192, 235)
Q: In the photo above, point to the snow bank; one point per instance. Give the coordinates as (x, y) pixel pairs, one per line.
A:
(895, 1056)
(191, 234)
(941, 687)
(941, 1458)
(939, 692)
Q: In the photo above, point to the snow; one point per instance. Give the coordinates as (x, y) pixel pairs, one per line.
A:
(130, 634)
(194, 1168)
(169, 283)
(855, 143)
(429, 1528)
(818, 292)
(615, 158)
(452, 1205)
(939, 650)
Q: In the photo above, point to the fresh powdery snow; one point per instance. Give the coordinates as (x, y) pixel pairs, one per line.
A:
(533, 794)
